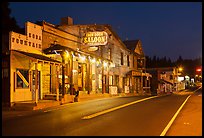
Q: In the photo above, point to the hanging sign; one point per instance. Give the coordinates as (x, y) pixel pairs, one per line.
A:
(95, 38)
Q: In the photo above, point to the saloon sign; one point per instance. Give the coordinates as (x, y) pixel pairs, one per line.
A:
(95, 38)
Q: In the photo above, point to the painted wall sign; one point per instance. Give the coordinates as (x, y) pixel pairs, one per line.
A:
(134, 73)
(95, 38)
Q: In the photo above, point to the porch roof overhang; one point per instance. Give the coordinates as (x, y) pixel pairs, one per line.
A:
(135, 73)
(164, 81)
(56, 48)
(36, 56)
(60, 48)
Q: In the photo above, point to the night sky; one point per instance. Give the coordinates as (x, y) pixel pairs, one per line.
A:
(170, 29)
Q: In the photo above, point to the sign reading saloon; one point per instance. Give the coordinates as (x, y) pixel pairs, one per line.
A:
(95, 38)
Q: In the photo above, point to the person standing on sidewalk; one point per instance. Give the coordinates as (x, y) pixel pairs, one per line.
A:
(76, 93)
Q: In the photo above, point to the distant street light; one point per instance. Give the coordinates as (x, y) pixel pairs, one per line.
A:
(180, 69)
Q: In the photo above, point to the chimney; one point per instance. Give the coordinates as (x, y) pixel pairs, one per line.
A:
(66, 21)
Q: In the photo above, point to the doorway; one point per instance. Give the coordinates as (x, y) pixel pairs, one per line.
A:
(33, 85)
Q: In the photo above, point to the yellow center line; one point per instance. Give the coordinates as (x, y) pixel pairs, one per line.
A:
(115, 108)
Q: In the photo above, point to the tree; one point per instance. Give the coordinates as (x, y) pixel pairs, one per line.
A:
(8, 24)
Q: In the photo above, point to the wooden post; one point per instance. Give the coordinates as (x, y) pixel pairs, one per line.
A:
(141, 83)
(36, 82)
(57, 83)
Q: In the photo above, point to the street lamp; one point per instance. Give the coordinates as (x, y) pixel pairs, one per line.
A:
(180, 69)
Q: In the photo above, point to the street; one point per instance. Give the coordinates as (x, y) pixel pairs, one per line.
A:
(145, 118)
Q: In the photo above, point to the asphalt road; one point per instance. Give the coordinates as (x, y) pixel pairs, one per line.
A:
(189, 120)
(120, 116)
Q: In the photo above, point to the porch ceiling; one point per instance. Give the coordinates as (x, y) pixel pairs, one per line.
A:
(37, 56)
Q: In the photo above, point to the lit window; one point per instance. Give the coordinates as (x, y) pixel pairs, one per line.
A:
(22, 78)
(110, 80)
(109, 54)
(117, 80)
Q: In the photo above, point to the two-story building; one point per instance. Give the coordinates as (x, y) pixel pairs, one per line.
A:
(52, 59)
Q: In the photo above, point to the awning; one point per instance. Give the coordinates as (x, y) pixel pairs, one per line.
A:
(37, 56)
(164, 81)
(57, 48)
(134, 73)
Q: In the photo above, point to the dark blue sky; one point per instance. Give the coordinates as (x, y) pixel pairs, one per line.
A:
(165, 28)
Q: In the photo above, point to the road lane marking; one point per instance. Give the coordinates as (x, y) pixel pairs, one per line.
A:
(198, 89)
(174, 117)
(115, 108)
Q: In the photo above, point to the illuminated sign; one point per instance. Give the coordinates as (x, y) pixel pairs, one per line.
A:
(95, 38)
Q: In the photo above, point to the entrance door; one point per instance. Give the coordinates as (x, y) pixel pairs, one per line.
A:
(33, 85)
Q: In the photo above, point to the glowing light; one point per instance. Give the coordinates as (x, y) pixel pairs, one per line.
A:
(198, 70)
(73, 54)
(105, 64)
(187, 77)
(180, 69)
(93, 60)
(67, 53)
(180, 79)
(83, 58)
(56, 52)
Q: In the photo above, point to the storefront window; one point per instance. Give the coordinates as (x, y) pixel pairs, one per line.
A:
(22, 78)
(117, 80)
(110, 80)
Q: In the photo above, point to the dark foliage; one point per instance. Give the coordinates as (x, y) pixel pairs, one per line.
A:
(189, 65)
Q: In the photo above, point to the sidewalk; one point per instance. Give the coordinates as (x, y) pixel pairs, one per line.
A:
(189, 120)
(187, 123)
(43, 104)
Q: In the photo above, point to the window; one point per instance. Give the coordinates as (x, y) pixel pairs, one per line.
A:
(39, 45)
(39, 37)
(17, 41)
(22, 78)
(171, 77)
(36, 45)
(29, 43)
(109, 54)
(21, 41)
(117, 80)
(140, 63)
(25, 42)
(33, 44)
(133, 61)
(33, 36)
(121, 58)
(128, 62)
(13, 39)
(36, 36)
(29, 34)
(110, 80)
